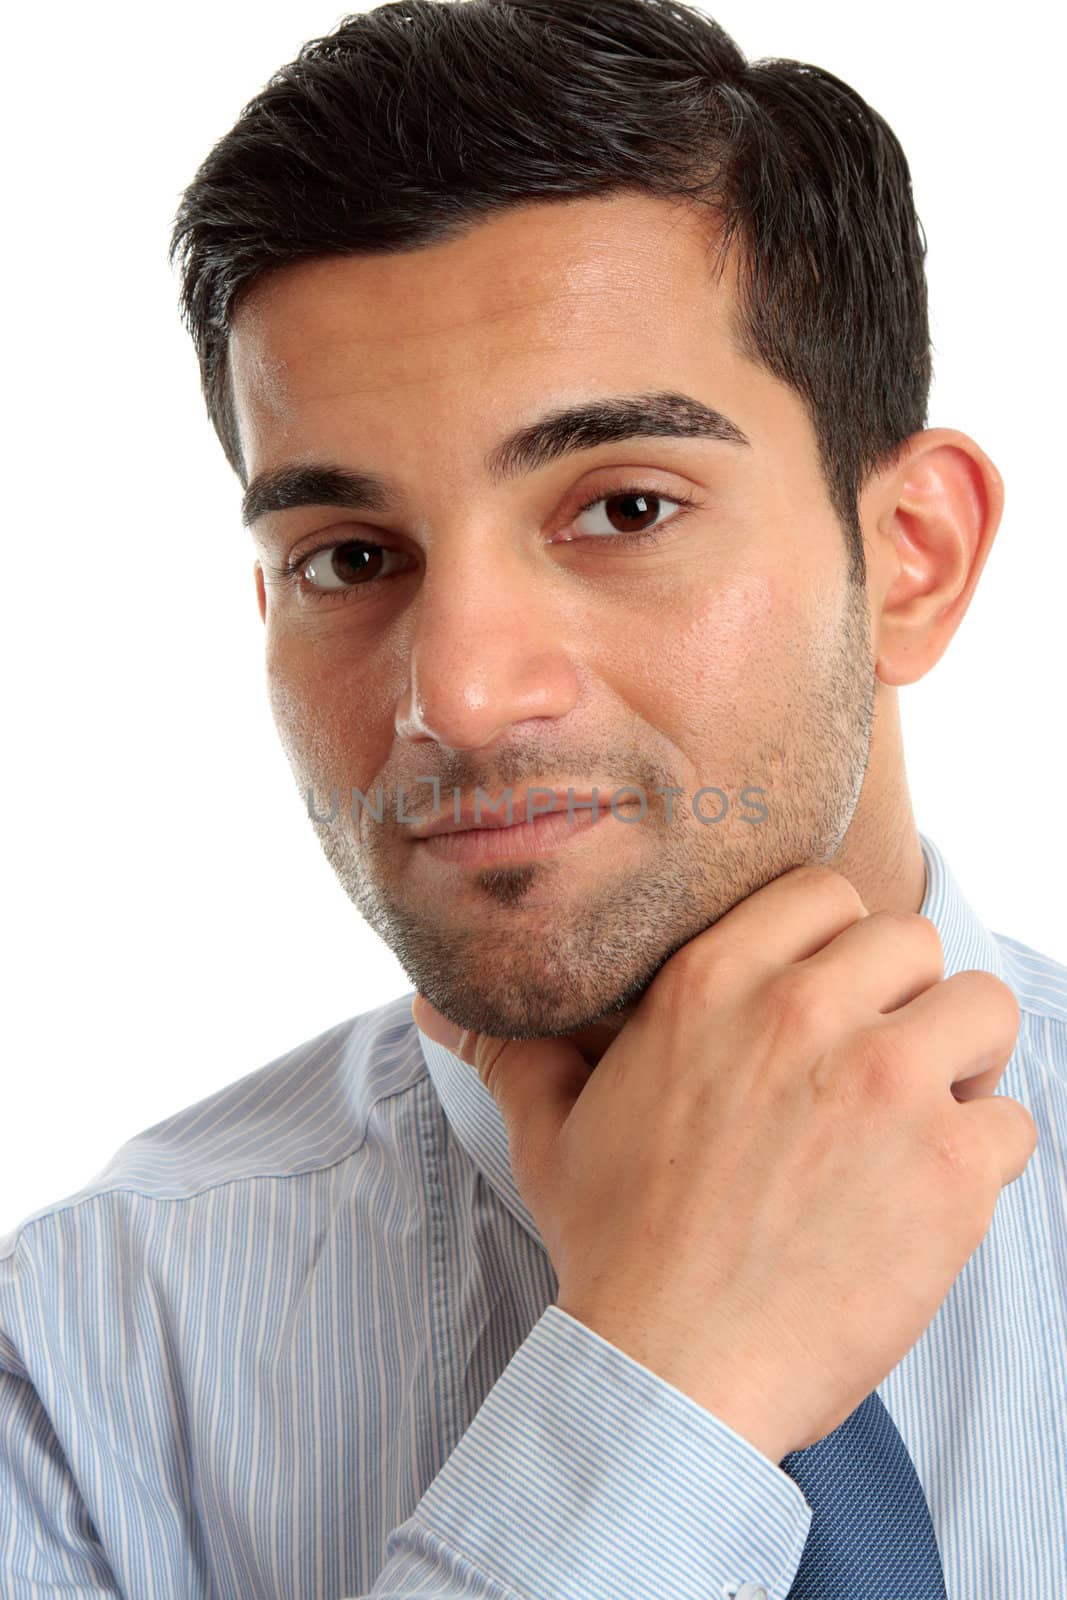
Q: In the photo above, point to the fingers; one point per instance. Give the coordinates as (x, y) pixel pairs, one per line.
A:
(1006, 1129)
(786, 920)
(959, 1034)
(882, 962)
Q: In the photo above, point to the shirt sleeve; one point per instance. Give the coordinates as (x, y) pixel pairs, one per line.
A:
(585, 1474)
(48, 1545)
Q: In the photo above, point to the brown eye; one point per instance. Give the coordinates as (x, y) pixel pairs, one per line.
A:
(348, 565)
(629, 514)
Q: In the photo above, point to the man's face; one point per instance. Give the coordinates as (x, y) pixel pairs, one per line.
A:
(487, 632)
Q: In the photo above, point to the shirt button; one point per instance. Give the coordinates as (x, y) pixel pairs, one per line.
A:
(750, 1591)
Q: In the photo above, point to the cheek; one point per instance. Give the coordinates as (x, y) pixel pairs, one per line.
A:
(711, 655)
(731, 675)
(334, 718)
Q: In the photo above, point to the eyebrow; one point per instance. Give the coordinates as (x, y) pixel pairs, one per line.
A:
(608, 420)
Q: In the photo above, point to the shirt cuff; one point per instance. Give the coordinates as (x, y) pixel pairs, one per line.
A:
(586, 1474)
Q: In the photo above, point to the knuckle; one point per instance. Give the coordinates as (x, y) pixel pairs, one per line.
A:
(803, 1002)
(998, 996)
(995, 1001)
(918, 929)
(1009, 1003)
(1026, 1127)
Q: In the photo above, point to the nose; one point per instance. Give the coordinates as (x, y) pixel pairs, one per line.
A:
(488, 650)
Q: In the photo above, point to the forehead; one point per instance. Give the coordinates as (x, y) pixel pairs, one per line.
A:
(534, 286)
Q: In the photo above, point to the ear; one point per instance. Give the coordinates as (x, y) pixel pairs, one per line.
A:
(935, 515)
(261, 591)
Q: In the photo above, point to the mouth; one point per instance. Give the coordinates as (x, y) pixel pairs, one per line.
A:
(495, 841)
(485, 811)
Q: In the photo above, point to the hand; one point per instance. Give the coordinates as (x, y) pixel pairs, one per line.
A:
(772, 1177)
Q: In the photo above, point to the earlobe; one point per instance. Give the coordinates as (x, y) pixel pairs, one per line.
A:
(940, 513)
(261, 592)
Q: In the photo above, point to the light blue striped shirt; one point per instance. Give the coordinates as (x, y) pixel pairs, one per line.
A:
(298, 1341)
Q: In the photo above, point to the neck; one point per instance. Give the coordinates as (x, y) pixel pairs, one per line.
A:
(881, 855)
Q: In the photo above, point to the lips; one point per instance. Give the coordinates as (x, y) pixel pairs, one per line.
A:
(523, 841)
(485, 816)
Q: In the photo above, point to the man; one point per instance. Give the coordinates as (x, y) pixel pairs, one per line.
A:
(706, 1234)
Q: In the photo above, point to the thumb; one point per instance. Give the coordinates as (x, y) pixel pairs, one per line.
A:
(535, 1082)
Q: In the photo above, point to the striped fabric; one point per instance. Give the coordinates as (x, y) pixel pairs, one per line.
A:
(298, 1341)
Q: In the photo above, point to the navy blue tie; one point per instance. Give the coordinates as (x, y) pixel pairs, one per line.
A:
(871, 1537)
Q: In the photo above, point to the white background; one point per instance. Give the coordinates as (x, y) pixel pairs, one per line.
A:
(172, 923)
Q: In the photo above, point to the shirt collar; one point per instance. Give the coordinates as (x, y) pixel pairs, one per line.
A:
(475, 1119)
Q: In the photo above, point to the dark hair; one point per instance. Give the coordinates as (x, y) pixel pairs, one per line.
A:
(408, 124)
